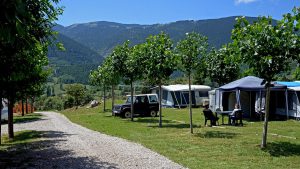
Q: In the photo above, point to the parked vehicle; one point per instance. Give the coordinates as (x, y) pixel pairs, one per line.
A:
(144, 105)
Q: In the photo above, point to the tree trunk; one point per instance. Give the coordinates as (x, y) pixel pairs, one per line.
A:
(131, 94)
(22, 102)
(11, 101)
(190, 105)
(265, 129)
(26, 105)
(160, 114)
(31, 106)
(112, 97)
(1, 106)
(104, 98)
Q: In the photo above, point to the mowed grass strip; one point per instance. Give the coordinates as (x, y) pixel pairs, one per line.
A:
(209, 147)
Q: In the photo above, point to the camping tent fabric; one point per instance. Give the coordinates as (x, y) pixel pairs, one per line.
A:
(295, 88)
(288, 84)
(179, 87)
(248, 83)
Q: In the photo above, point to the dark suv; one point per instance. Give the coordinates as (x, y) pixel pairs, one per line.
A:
(144, 105)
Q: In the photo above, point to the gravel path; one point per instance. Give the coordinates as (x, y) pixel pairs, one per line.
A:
(68, 145)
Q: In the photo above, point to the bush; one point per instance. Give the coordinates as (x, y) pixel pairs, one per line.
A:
(69, 102)
(53, 103)
(87, 98)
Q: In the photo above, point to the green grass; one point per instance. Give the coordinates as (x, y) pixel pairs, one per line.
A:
(20, 138)
(209, 147)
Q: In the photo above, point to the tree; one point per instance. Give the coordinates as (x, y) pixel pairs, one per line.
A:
(77, 91)
(267, 49)
(118, 58)
(128, 63)
(190, 50)
(223, 65)
(113, 76)
(25, 30)
(101, 77)
(160, 62)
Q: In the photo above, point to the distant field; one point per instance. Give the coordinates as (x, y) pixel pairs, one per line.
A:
(209, 147)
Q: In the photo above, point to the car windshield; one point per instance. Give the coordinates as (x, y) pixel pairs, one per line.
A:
(153, 99)
(129, 99)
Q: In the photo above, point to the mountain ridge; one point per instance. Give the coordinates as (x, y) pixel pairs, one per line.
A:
(97, 39)
(103, 36)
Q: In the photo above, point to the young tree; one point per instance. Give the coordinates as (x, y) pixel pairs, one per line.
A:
(267, 50)
(128, 63)
(134, 69)
(160, 62)
(113, 77)
(190, 50)
(98, 77)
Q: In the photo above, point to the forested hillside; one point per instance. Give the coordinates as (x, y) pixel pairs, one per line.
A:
(86, 44)
(74, 63)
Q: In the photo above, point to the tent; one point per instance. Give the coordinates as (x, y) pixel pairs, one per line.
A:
(293, 98)
(178, 95)
(249, 93)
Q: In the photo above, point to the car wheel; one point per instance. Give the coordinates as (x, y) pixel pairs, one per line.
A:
(127, 114)
(153, 113)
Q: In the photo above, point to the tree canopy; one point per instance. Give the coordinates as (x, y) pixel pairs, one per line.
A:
(25, 33)
(189, 51)
(267, 49)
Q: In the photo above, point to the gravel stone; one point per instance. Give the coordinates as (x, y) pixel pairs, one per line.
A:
(68, 145)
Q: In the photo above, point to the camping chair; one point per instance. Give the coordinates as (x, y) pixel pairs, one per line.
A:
(237, 118)
(208, 115)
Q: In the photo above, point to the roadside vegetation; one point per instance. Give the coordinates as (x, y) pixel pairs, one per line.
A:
(209, 147)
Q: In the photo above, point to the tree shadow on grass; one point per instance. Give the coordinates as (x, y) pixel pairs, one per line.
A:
(44, 153)
(177, 125)
(150, 120)
(153, 122)
(28, 118)
(216, 134)
(277, 149)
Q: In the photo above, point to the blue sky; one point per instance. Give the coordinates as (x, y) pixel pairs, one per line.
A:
(165, 11)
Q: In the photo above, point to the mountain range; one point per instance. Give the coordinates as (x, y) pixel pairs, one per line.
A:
(87, 44)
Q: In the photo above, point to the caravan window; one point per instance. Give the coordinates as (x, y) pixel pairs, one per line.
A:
(280, 99)
(203, 93)
(291, 97)
(298, 94)
(165, 95)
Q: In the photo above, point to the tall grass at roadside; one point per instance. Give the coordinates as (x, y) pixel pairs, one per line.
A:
(209, 147)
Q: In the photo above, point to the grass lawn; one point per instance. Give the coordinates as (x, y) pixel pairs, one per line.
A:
(209, 147)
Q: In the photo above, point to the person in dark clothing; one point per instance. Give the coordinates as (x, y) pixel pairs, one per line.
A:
(209, 115)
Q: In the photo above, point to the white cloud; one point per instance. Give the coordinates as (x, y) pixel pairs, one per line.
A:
(243, 1)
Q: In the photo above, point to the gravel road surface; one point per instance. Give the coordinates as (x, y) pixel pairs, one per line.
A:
(68, 145)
